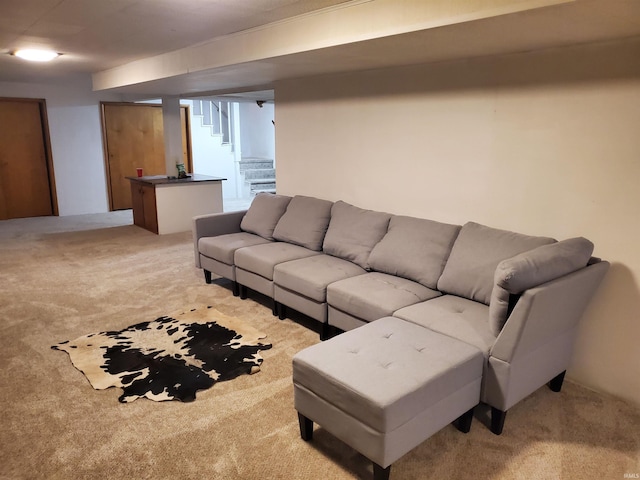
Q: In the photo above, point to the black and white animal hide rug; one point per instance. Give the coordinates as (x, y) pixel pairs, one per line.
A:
(168, 358)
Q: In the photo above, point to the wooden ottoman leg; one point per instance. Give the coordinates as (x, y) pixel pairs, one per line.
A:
(380, 473)
(207, 276)
(306, 427)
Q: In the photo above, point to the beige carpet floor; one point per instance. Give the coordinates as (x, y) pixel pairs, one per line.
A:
(62, 278)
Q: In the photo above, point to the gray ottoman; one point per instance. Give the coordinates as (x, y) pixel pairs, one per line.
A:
(386, 387)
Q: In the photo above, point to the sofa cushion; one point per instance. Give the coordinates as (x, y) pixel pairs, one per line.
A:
(353, 232)
(264, 213)
(543, 264)
(533, 268)
(310, 276)
(414, 248)
(456, 317)
(475, 256)
(261, 259)
(305, 222)
(376, 295)
(223, 247)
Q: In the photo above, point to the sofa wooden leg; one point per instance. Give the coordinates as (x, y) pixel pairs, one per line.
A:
(329, 331)
(463, 422)
(325, 331)
(242, 290)
(207, 276)
(235, 288)
(282, 311)
(380, 473)
(306, 428)
(497, 420)
(556, 382)
(275, 308)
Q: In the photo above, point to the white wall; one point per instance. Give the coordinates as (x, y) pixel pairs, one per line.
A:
(257, 131)
(210, 156)
(542, 143)
(73, 111)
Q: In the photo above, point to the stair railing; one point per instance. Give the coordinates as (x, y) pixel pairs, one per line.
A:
(216, 114)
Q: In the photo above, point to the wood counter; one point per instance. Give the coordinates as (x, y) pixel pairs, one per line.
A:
(167, 205)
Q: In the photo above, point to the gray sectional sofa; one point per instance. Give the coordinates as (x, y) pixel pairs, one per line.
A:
(516, 298)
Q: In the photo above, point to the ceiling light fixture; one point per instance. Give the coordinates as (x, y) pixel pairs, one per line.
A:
(36, 55)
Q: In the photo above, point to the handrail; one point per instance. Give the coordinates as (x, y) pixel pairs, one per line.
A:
(223, 126)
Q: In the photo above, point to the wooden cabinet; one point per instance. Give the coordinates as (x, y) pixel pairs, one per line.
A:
(143, 199)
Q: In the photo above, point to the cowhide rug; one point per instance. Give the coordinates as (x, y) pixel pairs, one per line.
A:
(168, 358)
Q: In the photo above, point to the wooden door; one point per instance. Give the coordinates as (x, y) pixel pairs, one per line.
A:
(134, 138)
(26, 172)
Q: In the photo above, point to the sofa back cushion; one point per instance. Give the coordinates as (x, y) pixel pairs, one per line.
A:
(475, 256)
(414, 248)
(264, 213)
(533, 268)
(353, 232)
(305, 222)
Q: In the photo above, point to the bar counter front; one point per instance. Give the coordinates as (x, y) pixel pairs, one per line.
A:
(164, 204)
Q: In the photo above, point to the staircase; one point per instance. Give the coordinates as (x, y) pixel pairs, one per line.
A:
(259, 175)
(215, 115)
(252, 175)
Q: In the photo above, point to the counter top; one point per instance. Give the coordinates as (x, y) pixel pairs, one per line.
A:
(164, 180)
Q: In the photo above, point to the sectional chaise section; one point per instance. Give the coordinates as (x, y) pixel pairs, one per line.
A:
(516, 298)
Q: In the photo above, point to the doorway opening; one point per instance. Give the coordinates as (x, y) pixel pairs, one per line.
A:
(233, 136)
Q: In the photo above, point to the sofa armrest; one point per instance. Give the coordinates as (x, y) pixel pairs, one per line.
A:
(214, 224)
(537, 340)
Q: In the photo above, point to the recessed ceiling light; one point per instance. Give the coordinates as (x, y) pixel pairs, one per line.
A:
(36, 55)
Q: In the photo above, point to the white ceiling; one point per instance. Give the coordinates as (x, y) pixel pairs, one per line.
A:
(133, 36)
(95, 35)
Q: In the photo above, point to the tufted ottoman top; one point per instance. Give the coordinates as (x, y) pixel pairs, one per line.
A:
(388, 371)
